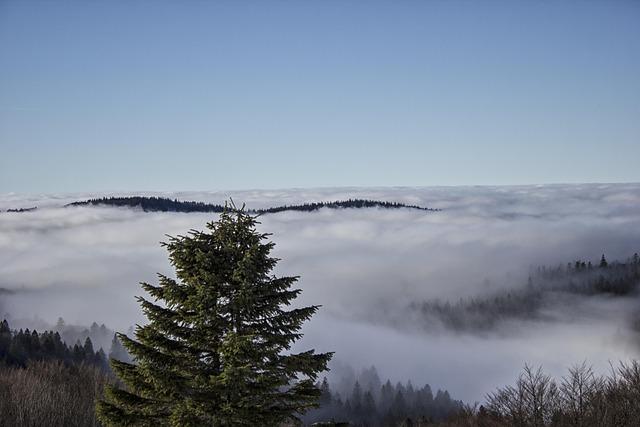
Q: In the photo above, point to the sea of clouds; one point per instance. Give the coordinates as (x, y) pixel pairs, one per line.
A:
(364, 266)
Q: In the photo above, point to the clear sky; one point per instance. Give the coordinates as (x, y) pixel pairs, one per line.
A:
(152, 95)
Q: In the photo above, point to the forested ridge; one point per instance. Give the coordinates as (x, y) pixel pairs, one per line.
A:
(18, 210)
(545, 287)
(152, 204)
(350, 203)
(163, 204)
(364, 400)
(24, 346)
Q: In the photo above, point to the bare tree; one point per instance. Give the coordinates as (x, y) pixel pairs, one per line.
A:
(580, 397)
(532, 402)
(50, 394)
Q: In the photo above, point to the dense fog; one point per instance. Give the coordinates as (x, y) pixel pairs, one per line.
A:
(366, 267)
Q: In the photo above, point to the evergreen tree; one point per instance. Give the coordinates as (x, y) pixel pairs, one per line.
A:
(325, 393)
(386, 395)
(95, 329)
(369, 406)
(5, 339)
(60, 324)
(118, 352)
(78, 352)
(369, 380)
(88, 347)
(603, 262)
(356, 399)
(101, 359)
(399, 406)
(214, 352)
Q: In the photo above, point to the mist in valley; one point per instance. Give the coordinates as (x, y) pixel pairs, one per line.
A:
(370, 269)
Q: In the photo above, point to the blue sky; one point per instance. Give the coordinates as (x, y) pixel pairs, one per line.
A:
(152, 95)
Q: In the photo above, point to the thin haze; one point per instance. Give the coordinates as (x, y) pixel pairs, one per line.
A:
(363, 265)
(165, 95)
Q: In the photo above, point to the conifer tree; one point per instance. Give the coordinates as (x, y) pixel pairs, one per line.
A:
(603, 262)
(117, 351)
(88, 347)
(60, 324)
(216, 349)
(325, 393)
(5, 339)
(369, 406)
(356, 398)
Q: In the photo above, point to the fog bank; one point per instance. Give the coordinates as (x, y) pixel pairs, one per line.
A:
(364, 266)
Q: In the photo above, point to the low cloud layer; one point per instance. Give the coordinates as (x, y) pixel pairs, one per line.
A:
(364, 266)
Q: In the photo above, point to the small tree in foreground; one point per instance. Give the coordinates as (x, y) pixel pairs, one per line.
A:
(214, 351)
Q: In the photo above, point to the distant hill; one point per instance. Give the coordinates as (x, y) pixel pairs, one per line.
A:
(161, 204)
(152, 204)
(546, 287)
(22, 209)
(351, 203)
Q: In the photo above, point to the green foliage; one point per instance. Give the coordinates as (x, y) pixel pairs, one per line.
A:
(118, 352)
(215, 349)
